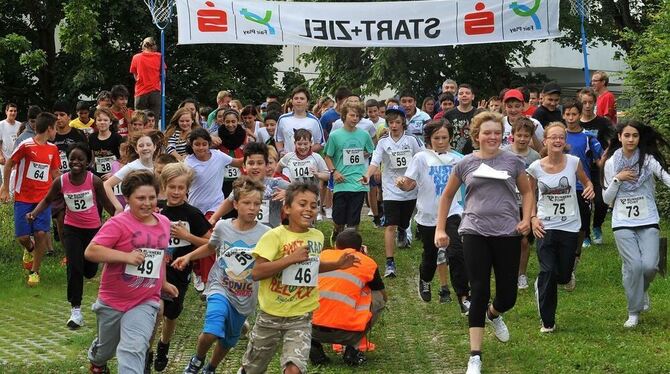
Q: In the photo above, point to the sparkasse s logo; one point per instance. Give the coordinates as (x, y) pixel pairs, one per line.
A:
(522, 10)
(211, 19)
(263, 21)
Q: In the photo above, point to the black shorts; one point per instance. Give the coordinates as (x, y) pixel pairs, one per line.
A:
(584, 212)
(174, 306)
(347, 207)
(398, 212)
(530, 236)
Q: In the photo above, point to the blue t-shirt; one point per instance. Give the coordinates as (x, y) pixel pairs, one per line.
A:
(327, 119)
(587, 148)
(347, 151)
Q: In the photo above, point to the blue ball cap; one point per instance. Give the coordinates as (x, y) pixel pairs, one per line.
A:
(397, 109)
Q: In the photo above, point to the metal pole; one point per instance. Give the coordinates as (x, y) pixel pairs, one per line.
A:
(587, 75)
(163, 73)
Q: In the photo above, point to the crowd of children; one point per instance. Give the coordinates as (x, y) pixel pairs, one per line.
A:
(229, 200)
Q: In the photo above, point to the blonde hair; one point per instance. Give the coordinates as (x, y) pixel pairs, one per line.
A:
(244, 185)
(173, 126)
(139, 116)
(349, 106)
(174, 170)
(272, 153)
(566, 148)
(479, 119)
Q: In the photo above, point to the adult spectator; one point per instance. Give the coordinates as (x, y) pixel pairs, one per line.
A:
(606, 104)
(9, 127)
(146, 68)
(449, 85)
(350, 301)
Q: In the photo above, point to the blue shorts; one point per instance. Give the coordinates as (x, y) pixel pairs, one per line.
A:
(24, 228)
(223, 320)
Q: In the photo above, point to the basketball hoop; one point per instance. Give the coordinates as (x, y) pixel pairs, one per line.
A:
(581, 9)
(161, 16)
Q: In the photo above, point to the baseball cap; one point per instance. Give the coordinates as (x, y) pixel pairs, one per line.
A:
(395, 109)
(513, 94)
(264, 106)
(551, 88)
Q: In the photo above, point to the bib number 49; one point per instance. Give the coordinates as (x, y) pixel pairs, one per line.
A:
(146, 268)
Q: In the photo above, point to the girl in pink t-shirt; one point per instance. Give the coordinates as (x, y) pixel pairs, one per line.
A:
(80, 189)
(132, 246)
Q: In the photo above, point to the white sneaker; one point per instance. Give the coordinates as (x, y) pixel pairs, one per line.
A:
(631, 321)
(499, 328)
(647, 303)
(546, 330)
(329, 213)
(570, 286)
(370, 214)
(474, 365)
(198, 284)
(522, 283)
(76, 319)
(319, 217)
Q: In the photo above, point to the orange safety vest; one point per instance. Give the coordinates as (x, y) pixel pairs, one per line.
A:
(344, 297)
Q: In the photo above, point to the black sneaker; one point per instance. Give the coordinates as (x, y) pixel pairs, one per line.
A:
(424, 290)
(353, 357)
(465, 307)
(161, 356)
(377, 221)
(148, 362)
(194, 365)
(94, 369)
(317, 356)
(445, 295)
(402, 241)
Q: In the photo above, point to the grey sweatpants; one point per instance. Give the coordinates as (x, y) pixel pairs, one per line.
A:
(638, 249)
(127, 334)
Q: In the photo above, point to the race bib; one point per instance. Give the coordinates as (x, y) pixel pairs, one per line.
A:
(79, 201)
(151, 267)
(353, 156)
(559, 205)
(632, 208)
(176, 242)
(263, 215)
(400, 159)
(231, 172)
(238, 259)
(64, 165)
(300, 169)
(38, 171)
(13, 137)
(104, 164)
(302, 274)
(117, 189)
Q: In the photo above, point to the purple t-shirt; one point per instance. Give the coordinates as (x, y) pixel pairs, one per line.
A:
(490, 204)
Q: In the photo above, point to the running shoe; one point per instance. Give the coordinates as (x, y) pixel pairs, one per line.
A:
(317, 356)
(329, 213)
(445, 295)
(424, 290)
(586, 243)
(161, 361)
(403, 240)
(76, 319)
(353, 357)
(465, 307)
(647, 303)
(198, 284)
(390, 269)
(208, 370)
(632, 321)
(572, 284)
(370, 214)
(194, 365)
(148, 361)
(546, 330)
(94, 369)
(597, 235)
(522, 283)
(474, 365)
(499, 328)
(33, 279)
(27, 259)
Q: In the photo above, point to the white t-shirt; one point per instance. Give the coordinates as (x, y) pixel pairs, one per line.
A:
(364, 124)
(431, 173)
(507, 134)
(417, 122)
(289, 122)
(262, 135)
(394, 157)
(206, 192)
(302, 169)
(8, 134)
(126, 169)
(557, 205)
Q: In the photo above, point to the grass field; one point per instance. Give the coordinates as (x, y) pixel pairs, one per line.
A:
(412, 336)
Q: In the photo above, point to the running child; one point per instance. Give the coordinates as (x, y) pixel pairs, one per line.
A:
(346, 155)
(233, 137)
(81, 190)
(250, 122)
(118, 165)
(556, 222)
(37, 163)
(138, 122)
(304, 165)
(266, 134)
(132, 245)
(287, 266)
(231, 292)
(83, 122)
(104, 143)
(176, 134)
(189, 229)
(393, 154)
(634, 159)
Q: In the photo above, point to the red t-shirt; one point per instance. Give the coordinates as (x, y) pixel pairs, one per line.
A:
(606, 106)
(146, 67)
(34, 163)
(529, 112)
(123, 126)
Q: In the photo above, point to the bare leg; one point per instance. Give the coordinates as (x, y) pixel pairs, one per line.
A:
(389, 240)
(525, 254)
(41, 238)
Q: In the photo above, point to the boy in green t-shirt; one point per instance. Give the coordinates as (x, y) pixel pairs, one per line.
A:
(287, 266)
(347, 152)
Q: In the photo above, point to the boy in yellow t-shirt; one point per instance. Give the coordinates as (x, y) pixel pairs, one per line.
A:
(287, 265)
(83, 122)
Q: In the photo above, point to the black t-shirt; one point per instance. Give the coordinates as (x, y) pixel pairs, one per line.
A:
(63, 142)
(601, 128)
(376, 284)
(104, 148)
(461, 141)
(546, 116)
(198, 226)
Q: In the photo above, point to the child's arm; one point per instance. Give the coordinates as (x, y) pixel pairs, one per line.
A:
(263, 268)
(101, 254)
(100, 191)
(109, 184)
(179, 231)
(337, 176)
(588, 192)
(54, 191)
(7, 171)
(237, 162)
(203, 251)
(405, 183)
(225, 207)
(345, 261)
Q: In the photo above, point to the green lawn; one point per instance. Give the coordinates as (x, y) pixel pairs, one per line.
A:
(412, 336)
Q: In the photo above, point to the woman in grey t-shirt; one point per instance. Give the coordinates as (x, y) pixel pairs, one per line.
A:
(491, 228)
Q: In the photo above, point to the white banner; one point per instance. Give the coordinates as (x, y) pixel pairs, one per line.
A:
(371, 24)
